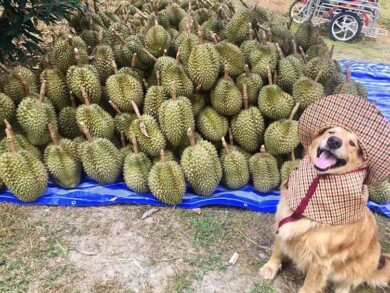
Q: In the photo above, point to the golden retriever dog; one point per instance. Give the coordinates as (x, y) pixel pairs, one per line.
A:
(347, 254)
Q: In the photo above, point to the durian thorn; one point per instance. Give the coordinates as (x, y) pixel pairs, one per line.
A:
(250, 32)
(114, 66)
(294, 111)
(77, 57)
(134, 61)
(173, 91)
(200, 37)
(178, 55)
(190, 136)
(70, 41)
(331, 52)
(162, 156)
(100, 38)
(120, 38)
(198, 88)
(73, 100)
(136, 110)
(231, 138)
(292, 156)
(262, 151)
(150, 55)
(245, 96)
(123, 139)
(84, 95)
(318, 76)
(134, 143)
(84, 129)
(158, 77)
(146, 85)
(215, 41)
(142, 127)
(42, 92)
(348, 73)
(294, 46)
(53, 134)
(5, 68)
(225, 146)
(10, 140)
(286, 45)
(247, 71)
(275, 77)
(269, 75)
(226, 72)
(279, 51)
(303, 54)
(115, 107)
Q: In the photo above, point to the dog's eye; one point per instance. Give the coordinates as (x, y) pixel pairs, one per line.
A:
(352, 143)
(331, 132)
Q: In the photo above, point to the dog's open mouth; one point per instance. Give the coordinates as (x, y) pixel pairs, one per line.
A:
(326, 160)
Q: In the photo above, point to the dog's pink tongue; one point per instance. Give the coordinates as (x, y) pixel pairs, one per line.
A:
(325, 160)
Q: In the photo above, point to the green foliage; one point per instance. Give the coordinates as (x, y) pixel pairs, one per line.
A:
(19, 20)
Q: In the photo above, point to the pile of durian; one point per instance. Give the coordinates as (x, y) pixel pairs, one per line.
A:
(167, 94)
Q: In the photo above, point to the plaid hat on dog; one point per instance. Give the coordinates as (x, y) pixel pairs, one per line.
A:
(357, 115)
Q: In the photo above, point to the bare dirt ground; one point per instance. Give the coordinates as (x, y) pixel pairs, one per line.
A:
(111, 249)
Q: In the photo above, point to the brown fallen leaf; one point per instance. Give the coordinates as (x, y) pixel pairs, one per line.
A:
(148, 213)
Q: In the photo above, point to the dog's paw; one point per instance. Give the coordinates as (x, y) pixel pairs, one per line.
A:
(269, 270)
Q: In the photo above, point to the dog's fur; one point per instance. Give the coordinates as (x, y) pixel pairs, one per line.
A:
(348, 254)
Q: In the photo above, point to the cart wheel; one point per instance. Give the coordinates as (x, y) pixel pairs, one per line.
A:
(345, 27)
(296, 10)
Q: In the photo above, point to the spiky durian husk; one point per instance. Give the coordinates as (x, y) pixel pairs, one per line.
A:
(380, 192)
(123, 121)
(56, 88)
(254, 84)
(7, 108)
(212, 125)
(136, 73)
(202, 168)
(175, 14)
(136, 170)
(307, 91)
(168, 156)
(248, 129)
(98, 121)
(226, 98)
(23, 174)
(265, 172)
(166, 182)
(186, 43)
(352, 88)
(123, 30)
(237, 27)
(122, 89)
(101, 160)
(335, 80)
(305, 35)
(13, 87)
(21, 143)
(231, 56)
(104, 56)
(154, 97)
(162, 63)
(287, 168)
(62, 163)
(261, 57)
(274, 102)
(281, 137)
(90, 37)
(327, 66)
(175, 74)
(198, 102)
(289, 70)
(235, 170)
(157, 39)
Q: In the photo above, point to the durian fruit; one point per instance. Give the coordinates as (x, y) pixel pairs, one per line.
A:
(67, 122)
(253, 82)
(163, 62)
(289, 70)
(264, 170)
(186, 41)
(157, 39)
(23, 174)
(235, 168)
(248, 45)
(305, 35)
(232, 147)
(288, 167)
(203, 64)
(133, 70)
(281, 36)
(175, 73)
(236, 28)
(90, 37)
(98, 121)
(13, 85)
(307, 91)
(175, 14)
(201, 166)
(125, 149)
(225, 96)
(123, 89)
(122, 120)
(61, 161)
(168, 156)
(198, 100)
(273, 101)
(333, 82)
(248, 125)
(324, 63)
(351, 87)
(33, 116)
(281, 137)
(175, 117)
(166, 181)
(103, 58)
(136, 169)
(7, 108)
(212, 125)
(261, 57)
(121, 29)
(100, 158)
(56, 88)
(380, 192)
(154, 97)
(147, 132)
(319, 48)
(87, 77)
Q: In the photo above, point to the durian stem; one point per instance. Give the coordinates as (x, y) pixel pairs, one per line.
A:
(72, 100)
(269, 75)
(100, 39)
(150, 55)
(5, 68)
(173, 91)
(126, 19)
(70, 41)
(77, 57)
(253, 6)
(136, 110)
(10, 140)
(115, 107)
(317, 35)
(318, 76)
(95, 7)
(190, 136)
(86, 132)
(262, 27)
(262, 151)
(275, 77)
(303, 54)
(155, 22)
(115, 67)
(189, 28)
(162, 156)
(215, 41)
(311, 15)
(200, 37)
(141, 13)
(135, 144)
(42, 91)
(294, 46)
(226, 72)
(53, 134)
(121, 39)
(250, 32)
(158, 78)
(231, 138)
(123, 139)
(225, 146)
(292, 156)
(294, 111)
(178, 55)
(286, 45)
(26, 87)
(279, 51)
(198, 88)
(245, 96)
(118, 8)
(134, 61)
(331, 52)
(165, 53)
(343, 88)
(348, 74)
(7, 124)
(146, 85)
(247, 71)
(84, 95)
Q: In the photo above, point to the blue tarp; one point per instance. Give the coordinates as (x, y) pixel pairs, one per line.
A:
(376, 78)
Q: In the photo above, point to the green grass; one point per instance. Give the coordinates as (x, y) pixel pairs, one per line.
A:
(264, 287)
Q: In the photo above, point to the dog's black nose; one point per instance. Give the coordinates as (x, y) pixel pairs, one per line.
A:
(334, 142)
